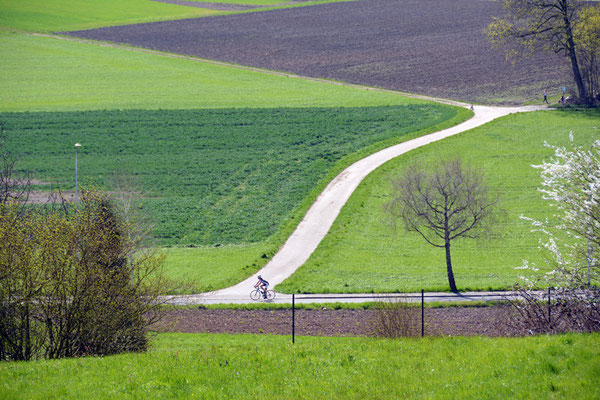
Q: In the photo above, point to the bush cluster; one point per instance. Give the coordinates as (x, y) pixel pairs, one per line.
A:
(71, 280)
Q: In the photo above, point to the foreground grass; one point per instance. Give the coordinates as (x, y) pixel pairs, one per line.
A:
(245, 366)
(363, 252)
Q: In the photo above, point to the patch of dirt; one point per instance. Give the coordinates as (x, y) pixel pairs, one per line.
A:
(430, 47)
(453, 321)
(39, 197)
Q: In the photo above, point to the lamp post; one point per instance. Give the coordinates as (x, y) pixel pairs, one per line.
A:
(77, 146)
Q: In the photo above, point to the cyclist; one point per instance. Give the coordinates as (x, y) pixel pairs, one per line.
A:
(263, 285)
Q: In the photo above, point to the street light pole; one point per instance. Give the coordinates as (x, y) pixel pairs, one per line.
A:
(77, 146)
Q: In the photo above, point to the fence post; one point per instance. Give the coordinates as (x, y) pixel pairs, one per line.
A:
(422, 312)
(549, 309)
(293, 318)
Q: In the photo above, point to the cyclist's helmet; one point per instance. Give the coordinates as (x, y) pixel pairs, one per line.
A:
(259, 277)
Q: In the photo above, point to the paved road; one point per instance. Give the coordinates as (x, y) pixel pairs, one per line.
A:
(222, 297)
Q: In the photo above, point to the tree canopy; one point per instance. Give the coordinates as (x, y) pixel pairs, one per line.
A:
(550, 25)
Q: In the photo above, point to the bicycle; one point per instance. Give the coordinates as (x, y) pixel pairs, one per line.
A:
(257, 294)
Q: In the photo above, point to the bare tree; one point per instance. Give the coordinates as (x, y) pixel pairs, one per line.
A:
(14, 188)
(449, 203)
(126, 193)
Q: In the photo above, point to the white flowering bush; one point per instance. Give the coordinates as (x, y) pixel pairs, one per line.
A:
(571, 184)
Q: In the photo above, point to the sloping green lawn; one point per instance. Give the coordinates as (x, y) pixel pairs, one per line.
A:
(363, 252)
(46, 74)
(64, 15)
(204, 366)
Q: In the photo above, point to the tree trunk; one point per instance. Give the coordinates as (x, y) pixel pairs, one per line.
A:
(449, 268)
(573, 57)
(576, 73)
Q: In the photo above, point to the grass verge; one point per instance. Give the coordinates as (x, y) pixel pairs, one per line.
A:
(236, 366)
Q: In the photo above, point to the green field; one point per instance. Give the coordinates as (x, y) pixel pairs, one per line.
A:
(46, 74)
(244, 366)
(364, 253)
(70, 15)
(211, 177)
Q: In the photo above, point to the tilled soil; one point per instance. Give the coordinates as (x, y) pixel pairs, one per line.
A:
(453, 321)
(430, 47)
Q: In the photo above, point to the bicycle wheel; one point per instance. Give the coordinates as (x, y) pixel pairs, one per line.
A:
(270, 295)
(255, 294)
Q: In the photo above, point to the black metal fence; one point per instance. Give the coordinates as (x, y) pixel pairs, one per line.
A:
(389, 297)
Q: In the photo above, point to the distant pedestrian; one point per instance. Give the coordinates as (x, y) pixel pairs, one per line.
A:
(545, 97)
(562, 99)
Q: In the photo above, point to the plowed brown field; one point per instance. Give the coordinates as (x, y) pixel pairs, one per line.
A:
(453, 321)
(431, 47)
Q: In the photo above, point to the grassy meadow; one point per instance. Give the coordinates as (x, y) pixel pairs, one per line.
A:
(70, 15)
(243, 366)
(228, 160)
(48, 74)
(363, 252)
(211, 177)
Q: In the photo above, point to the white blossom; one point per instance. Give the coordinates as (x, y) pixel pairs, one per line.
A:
(571, 183)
